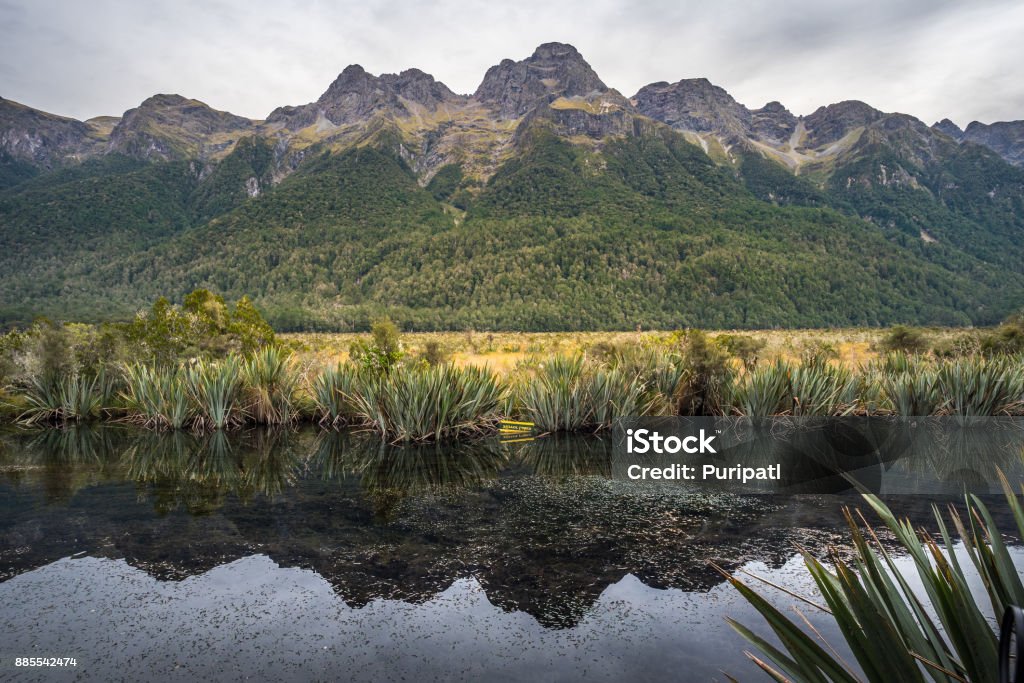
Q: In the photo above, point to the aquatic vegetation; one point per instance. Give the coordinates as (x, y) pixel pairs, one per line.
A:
(157, 397)
(269, 463)
(708, 376)
(332, 394)
(405, 469)
(61, 399)
(980, 386)
(215, 388)
(782, 388)
(912, 393)
(560, 455)
(565, 395)
(821, 389)
(555, 399)
(763, 392)
(615, 393)
(563, 392)
(271, 381)
(887, 626)
(416, 403)
(660, 371)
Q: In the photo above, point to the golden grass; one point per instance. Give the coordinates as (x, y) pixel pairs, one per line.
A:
(502, 351)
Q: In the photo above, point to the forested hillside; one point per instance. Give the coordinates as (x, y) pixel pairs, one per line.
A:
(588, 211)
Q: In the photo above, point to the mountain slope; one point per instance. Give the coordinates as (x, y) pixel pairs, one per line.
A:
(546, 200)
(647, 231)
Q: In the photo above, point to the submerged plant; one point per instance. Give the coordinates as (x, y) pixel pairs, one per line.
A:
(888, 627)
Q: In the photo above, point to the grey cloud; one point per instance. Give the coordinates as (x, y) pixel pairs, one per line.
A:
(926, 57)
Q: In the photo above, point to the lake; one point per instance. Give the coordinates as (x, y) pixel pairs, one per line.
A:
(308, 555)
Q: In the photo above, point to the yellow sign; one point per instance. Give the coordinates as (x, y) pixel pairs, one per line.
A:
(512, 427)
(522, 431)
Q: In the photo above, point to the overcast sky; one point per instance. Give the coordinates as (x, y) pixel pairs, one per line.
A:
(929, 58)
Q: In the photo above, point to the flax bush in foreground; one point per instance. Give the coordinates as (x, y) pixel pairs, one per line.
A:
(157, 397)
(65, 399)
(417, 403)
(215, 388)
(271, 381)
(565, 395)
(333, 392)
(885, 625)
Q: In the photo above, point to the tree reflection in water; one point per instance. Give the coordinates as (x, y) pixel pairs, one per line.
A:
(199, 472)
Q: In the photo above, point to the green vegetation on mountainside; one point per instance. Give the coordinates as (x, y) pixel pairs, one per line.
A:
(641, 230)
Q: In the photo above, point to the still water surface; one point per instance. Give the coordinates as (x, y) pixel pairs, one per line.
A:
(326, 556)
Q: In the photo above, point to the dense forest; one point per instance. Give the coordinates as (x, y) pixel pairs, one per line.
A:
(639, 230)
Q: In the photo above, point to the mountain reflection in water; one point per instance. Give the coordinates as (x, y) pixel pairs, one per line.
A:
(537, 528)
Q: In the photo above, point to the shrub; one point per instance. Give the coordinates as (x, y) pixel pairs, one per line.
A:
(763, 392)
(565, 395)
(1005, 339)
(432, 353)
(215, 389)
(746, 348)
(913, 393)
(975, 387)
(65, 398)
(817, 389)
(157, 397)
(334, 392)
(963, 344)
(613, 394)
(204, 325)
(707, 376)
(270, 381)
(430, 403)
(384, 350)
(554, 398)
(906, 339)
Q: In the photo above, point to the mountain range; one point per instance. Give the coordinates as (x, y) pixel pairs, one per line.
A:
(544, 200)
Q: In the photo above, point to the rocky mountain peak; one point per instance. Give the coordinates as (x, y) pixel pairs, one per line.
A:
(353, 78)
(44, 139)
(949, 128)
(830, 123)
(694, 104)
(356, 95)
(1006, 138)
(773, 107)
(773, 123)
(555, 51)
(420, 87)
(169, 126)
(553, 70)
